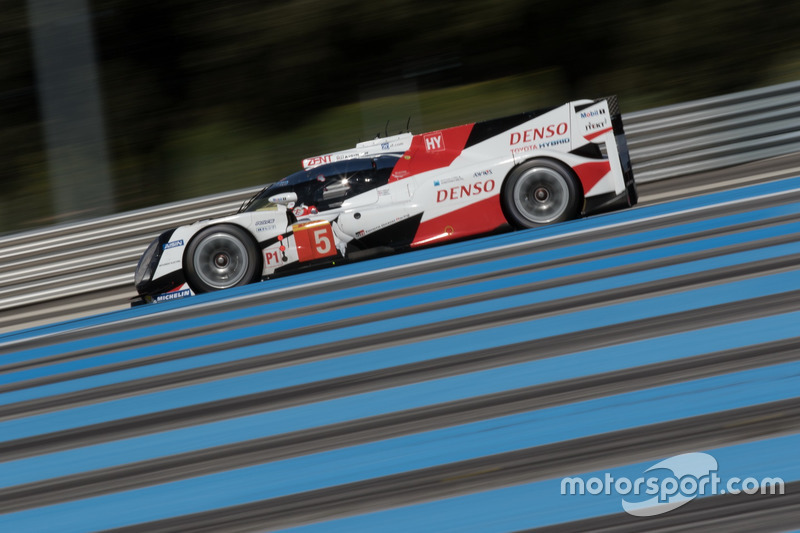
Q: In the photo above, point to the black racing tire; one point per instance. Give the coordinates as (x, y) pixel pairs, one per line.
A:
(539, 192)
(221, 257)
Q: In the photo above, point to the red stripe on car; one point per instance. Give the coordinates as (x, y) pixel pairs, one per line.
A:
(479, 217)
(430, 151)
(591, 173)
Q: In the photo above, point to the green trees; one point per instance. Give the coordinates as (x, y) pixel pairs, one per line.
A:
(204, 96)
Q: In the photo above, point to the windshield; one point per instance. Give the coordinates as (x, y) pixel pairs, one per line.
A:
(327, 186)
(260, 202)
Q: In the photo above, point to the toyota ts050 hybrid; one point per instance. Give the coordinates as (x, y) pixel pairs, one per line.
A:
(402, 192)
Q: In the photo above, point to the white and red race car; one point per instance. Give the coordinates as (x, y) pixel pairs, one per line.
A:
(402, 192)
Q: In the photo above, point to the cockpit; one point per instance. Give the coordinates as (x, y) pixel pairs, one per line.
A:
(327, 186)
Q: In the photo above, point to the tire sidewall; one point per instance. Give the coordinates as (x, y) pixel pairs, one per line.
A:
(253, 257)
(512, 213)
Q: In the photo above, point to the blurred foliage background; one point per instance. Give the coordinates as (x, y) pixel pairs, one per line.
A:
(200, 97)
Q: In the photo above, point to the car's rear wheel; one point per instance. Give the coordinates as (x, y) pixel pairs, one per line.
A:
(540, 192)
(221, 257)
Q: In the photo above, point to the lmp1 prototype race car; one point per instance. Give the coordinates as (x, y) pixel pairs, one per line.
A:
(403, 192)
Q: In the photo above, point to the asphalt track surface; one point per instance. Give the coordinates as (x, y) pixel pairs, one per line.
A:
(66, 349)
(115, 299)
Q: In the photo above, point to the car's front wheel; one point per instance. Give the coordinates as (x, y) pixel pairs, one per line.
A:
(540, 192)
(221, 257)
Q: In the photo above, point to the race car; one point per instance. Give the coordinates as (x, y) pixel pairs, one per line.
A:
(403, 192)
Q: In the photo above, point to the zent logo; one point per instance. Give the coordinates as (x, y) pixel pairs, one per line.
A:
(434, 142)
(314, 161)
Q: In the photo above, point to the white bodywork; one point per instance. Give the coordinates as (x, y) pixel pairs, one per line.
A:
(471, 175)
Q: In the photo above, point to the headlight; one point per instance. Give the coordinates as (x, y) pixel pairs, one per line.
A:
(146, 266)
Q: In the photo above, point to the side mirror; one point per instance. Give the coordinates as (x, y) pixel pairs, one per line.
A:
(287, 198)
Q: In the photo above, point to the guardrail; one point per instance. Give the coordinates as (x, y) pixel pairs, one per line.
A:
(714, 132)
(99, 254)
(79, 259)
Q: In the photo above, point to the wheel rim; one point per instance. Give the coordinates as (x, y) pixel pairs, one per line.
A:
(221, 260)
(541, 195)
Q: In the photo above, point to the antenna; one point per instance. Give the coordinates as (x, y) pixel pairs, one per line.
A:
(408, 123)
(386, 129)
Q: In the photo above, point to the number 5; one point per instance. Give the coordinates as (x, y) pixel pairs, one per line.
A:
(314, 240)
(322, 242)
